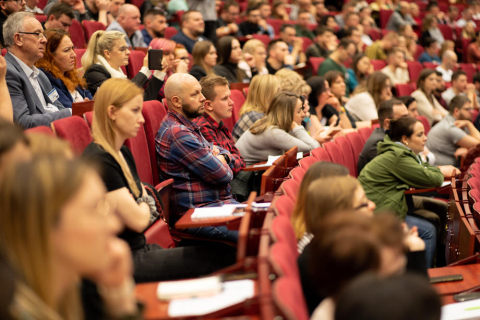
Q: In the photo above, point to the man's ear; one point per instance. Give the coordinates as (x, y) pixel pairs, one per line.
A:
(386, 124)
(177, 102)
(208, 105)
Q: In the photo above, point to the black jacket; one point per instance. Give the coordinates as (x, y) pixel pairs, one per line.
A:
(198, 72)
(98, 74)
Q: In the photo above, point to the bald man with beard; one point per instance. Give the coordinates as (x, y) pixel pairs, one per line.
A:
(201, 172)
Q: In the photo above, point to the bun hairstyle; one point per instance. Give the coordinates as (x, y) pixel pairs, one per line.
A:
(401, 127)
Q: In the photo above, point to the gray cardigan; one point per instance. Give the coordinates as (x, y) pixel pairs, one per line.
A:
(273, 142)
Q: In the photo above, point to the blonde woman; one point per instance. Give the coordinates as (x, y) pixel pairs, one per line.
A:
(106, 53)
(430, 30)
(280, 130)
(71, 235)
(260, 94)
(256, 49)
(117, 117)
(204, 59)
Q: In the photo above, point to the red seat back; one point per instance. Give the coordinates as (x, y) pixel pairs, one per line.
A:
(290, 188)
(315, 64)
(41, 129)
(334, 152)
(153, 112)
(365, 133)
(283, 206)
(357, 145)
(404, 89)
(384, 16)
(470, 70)
(426, 124)
(170, 32)
(77, 35)
(276, 24)
(297, 173)
(307, 162)
(229, 123)
(307, 42)
(91, 26)
(375, 34)
(41, 17)
(75, 130)
(158, 233)
(238, 101)
(288, 296)
(135, 62)
(262, 37)
(414, 68)
(139, 147)
(88, 116)
(430, 65)
(137, 3)
(282, 231)
(78, 58)
(320, 154)
(378, 64)
(348, 156)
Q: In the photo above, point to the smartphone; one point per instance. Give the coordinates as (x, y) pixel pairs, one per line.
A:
(453, 277)
(466, 296)
(155, 57)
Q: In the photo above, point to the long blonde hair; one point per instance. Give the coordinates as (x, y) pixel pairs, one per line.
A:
(99, 42)
(32, 195)
(260, 93)
(113, 92)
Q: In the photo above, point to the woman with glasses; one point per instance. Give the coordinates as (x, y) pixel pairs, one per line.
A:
(117, 117)
(363, 106)
(59, 65)
(427, 104)
(106, 53)
(204, 59)
(277, 132)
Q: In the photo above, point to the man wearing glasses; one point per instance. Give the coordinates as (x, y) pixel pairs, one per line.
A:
(34, 101)
(7, 7)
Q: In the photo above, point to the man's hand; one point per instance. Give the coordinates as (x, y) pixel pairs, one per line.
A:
(447, 171)
(460, 153)
(102, 5)
(232, 27)
(462, 123)
(250, 60)
(263, 24)
(323, 136)
(79, 6)
(289, 60)
(215, 151)
(470, 88)
(403, 65)
(298, 43)
(221, 158)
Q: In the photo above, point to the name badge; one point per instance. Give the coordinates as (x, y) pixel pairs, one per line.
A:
(53, 95)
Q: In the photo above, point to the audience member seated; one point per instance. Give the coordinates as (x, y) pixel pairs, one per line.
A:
(175, 63)
(355, 34)
(60, 16)
(452, 17)
(431, 51)
(192, 28)
(430, 30)
(468, 32)
(441, 86)
(86, 10)
(321, 10)
(342, 16)
(318, 170)
(473, 50)
(155, 24)
(397, 68)
(351, 21)
(278, 131)
(400, 17)
(302, 30)
(398, 168)
(360, 69)
(338, 88)
(229, 56)
(434, 10)
(295, 44)
(128, 22)
(256, 49)
(450, 139)
(7, 8)
(415, 11)
(279, 11)
(260, 94)
(6, 108)
(335, 62)
(369, 297)
(266, 12)
(226, 23)
(107, 51)
(319, 48)
(460, 86)
(204, 59)
(114, 7)
(34, 102)
(302, 5)
(367, 28)
(428, 105)
(252, 24)
(467, 16)
(411, 105)
(59, 65)
(363, 106)
(406, 31)
(377, 51)
(179, 144)
(449, 61)
(278, 56)
(31, 6)
(330, 22)
(389, 109)
(117, 117)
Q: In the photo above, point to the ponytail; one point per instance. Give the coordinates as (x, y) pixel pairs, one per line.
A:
(99, 42)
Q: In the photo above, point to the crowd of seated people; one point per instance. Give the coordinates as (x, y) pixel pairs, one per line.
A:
(308, 75)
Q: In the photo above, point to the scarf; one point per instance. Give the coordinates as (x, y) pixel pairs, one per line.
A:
(114, 73)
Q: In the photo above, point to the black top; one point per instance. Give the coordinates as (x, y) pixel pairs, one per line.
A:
(227, 70)
(247, 28)
(2, 21)
(198, 72)
(112, 176)
(98, 74)
(369, 150)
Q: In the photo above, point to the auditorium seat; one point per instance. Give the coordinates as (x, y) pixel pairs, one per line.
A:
(403, 89)
(348, 157)
(170, 32)
(158, 233)
(426, 124)
(88, 116)
(297, 173)
(153, 112)
(290, 188)
(79, 54)
(365, 133)
(276, 24)
(282, 231)
(238, 101)
(307, 42)
(229, 123)
(75, 130)
(321, 154)
(378, 64)
(262, 37)
(307, 162)
(414, 68)
(135, 62)
(430, 65)
(384, 16)
(42, 130)
(315, 64)
(446, 30)
(139, 147)
(91, 26)
(357, 145)
(470, 70)
(473, 183)
(282, 258)
(288, 296)
(77, 35)
(334, 152)
(283, 206)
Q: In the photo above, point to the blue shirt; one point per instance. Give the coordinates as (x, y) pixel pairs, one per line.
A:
(181, 38)
(425, 57)
(147, 38)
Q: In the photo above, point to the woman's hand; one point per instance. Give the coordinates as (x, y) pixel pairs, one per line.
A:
(145, 60)
(250, 60)
(181, 66)
(448, 170)
(412, 241)
(334, 103)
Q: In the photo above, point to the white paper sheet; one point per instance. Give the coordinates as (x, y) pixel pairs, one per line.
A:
(468, 310)
(187, 288)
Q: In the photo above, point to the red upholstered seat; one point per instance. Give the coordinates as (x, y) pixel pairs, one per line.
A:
(283, 206)
(159, 233)
(153, 112)
(276, 24)
(414, 68)
(298, 173)
(4, 52)
(77, 35)
(446, 30)
(135, 62)
(282, 231)
(378, 64)
(365, 133)
(75, 130)
(375, 34)
(88, 116)
(470, 70)
(78, 58)
(321, 154)
(430, 65)
(91, 26)
(41, 129)
(307, 162)
(357, 145)
(41, 17)
(315, 63)
(348, 157)
(426, 124)
(306, 43)
(403, 89)
(238, 101)
(473, 183)
(290, 188)
(334, 152)
(170, 32)
(139, 147)
(262, 37)
(288, 296)
(384, 16)
(283, 259)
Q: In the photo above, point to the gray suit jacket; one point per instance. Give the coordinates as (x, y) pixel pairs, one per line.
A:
(28, 111)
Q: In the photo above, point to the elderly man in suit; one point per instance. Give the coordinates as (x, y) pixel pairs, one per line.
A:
(34, 101)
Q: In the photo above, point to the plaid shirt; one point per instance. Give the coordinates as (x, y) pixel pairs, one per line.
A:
(218, 134)
(184, 155)
(246, 121)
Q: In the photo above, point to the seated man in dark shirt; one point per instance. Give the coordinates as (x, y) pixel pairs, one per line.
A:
(319, 47)
(226, 23)
(278, 56)
(251, 26)
(193, 27)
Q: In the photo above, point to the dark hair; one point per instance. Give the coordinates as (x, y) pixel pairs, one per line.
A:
(320, 30)
(432, 5)
(152, 13)
(457, 73)
(476, 77)
(60, 8)
(331, 76)
(344, 43)
(252, 8)
(187, 14)
(427, 43)
(407, 100)
(438, 73)
(356, 59)
(285, 26)
(401, 127)
(224, 49)
(404, 297)
(348, 15)
(317, 84)
(457, 103)
(385, 110)
(272, 44)
(425, 73)
(324, 19)
(349, 31)
(230, 3)
(10, 136)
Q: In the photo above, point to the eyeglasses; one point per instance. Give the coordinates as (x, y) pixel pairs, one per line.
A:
(39, 35)
(123, 49)
(185, 58)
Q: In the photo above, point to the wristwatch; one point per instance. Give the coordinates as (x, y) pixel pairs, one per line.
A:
(227, 158)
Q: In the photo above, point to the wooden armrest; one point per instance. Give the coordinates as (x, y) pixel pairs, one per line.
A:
(415, 191)
(260, 166)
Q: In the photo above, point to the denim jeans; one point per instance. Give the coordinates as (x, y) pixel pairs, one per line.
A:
(428, 233)
(217, 233)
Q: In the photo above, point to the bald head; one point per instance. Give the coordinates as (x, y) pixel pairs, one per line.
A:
(129, 18)
(127, 9)
(184, 95)
(449, 59)
(404, 7)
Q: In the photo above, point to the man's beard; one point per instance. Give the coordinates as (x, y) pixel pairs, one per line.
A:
(190, 113)
(198, 33)
(159, 34)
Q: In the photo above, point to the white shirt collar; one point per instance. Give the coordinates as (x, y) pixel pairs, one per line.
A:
(30, 72)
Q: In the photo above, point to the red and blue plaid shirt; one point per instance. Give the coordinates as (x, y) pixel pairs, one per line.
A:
(218, 134)
(184, 155)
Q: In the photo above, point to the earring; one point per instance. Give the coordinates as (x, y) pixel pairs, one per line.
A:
(406, 144)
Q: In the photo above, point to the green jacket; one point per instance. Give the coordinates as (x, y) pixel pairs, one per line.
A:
(393, 171)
